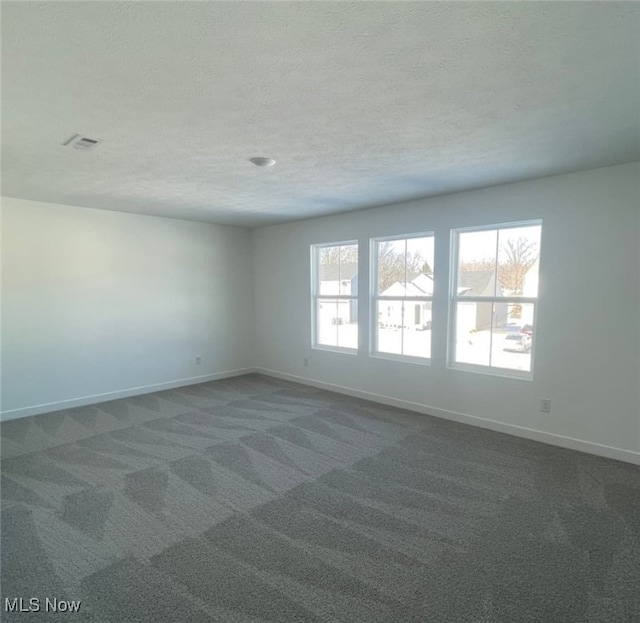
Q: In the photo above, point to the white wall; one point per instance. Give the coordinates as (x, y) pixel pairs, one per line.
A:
(95, 302)
(588, 366)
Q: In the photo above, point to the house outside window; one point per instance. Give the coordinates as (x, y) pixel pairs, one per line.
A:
(402, 286)
(494, 298)
(335, 296)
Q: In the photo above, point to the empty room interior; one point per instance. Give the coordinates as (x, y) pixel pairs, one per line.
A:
(320, 311)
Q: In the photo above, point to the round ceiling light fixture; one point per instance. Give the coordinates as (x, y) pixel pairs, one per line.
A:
(261, 161)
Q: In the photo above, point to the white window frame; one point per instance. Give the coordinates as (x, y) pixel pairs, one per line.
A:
(316, 296)
(375, 298)
(454, 299)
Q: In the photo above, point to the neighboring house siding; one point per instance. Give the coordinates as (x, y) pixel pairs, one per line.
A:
(530, 288)
(479, 316)
(340, 280)
(417, 315)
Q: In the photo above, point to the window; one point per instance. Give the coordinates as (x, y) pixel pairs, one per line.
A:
(494, 297)
(403, 294)
(335, 295)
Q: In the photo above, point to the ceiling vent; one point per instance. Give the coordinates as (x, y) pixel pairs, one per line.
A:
(82, 142)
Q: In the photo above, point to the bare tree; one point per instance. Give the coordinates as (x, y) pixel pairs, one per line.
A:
(391, 262)
(518, 255)
(484, 264)
(391, 265)
(336, 255)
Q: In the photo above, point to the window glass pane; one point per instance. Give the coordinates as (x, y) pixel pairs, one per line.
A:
(518, 253)
(389, 327)
(416, 339)
(419, 267)
(329, 270)
(348, 270)
(337, 275)
(327, 322)
(348, 323)
(512, 336)
(477, 263)
(391, 267)
(473, 333)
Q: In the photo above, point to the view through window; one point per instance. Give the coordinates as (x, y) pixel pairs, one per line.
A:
(403, 269)
(336, 295)
(495, 296)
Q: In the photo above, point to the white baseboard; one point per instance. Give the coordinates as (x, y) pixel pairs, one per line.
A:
(501, 427)
(121, 393)
(511, 429)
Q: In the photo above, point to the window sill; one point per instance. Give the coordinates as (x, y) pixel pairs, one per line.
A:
(420, 361)
(504, 373)
(335, 349)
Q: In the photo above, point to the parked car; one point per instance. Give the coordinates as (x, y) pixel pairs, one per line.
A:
(519, 342)
(527, 329)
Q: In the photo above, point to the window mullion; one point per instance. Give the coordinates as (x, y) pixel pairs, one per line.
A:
(493, 317)
(495, 285)
(402, 318)
(405, 266)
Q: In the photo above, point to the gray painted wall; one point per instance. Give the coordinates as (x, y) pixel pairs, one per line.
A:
(97, 302)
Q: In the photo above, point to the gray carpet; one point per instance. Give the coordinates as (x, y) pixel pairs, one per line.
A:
(253, 499)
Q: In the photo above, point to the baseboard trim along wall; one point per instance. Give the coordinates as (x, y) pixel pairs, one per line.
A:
(510, 429)
(464, 418)
(122, 393)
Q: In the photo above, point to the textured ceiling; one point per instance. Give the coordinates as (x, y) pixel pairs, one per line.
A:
(361, 103)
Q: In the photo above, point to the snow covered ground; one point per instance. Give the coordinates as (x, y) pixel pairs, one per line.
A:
(476, 348)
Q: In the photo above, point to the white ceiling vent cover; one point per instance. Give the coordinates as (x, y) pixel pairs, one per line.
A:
(82, 142)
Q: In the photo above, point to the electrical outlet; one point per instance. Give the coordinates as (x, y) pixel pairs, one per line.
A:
(545, 405)
(198, 360)
(306, 361)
